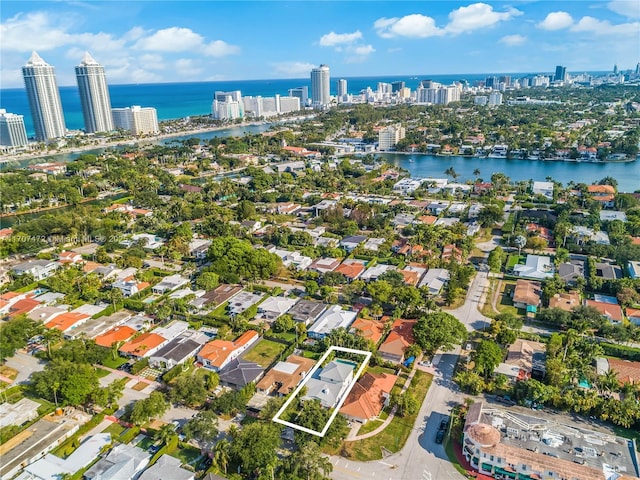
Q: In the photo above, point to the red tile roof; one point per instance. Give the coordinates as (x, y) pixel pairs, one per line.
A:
(609, 310)
(65, 321)
(368, 395)
(369, 329)
(139, 346)
(117, 334)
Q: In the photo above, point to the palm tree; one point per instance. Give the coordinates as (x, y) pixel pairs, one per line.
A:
(452, 173)
(165, 433)
(221, 455)
(476, 173)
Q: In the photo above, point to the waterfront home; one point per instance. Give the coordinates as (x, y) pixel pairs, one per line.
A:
(604, 194)
(543, 188)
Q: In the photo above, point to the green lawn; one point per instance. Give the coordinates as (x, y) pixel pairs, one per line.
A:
(115, 429)
(145, 443)
(111, 363)
(513, 260)
(186, 454)
(395, 435)
(101, 372)
(264, 352)
(505, 298)
(370, 426)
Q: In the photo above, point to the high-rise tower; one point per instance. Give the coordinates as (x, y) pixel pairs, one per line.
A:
(320, 89)
(94, 95)
(561, 74)
(44, 98)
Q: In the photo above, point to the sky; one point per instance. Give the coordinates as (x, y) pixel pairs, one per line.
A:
(181, 41)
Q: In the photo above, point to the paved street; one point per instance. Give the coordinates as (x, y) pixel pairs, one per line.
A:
(25, 364)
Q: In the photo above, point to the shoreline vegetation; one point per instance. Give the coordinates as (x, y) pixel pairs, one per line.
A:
(556, 159)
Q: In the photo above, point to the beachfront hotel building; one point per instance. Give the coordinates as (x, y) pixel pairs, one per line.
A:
(12, 131)
(320, 89)
(136, 119)
(44, 98)
(94, 95)
(302, 93)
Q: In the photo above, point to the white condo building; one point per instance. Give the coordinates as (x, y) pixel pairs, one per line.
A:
(94, 95)
(12, 131)
(495, 98)
(44, 98)
(302, 93)
(320, 88)
(389, 136)
(342, 87)
(289, 104)
(136, 119)
(227, 105)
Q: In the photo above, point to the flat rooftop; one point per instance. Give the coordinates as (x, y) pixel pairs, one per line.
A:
(558, 438)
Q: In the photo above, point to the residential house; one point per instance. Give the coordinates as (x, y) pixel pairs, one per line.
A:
(167, 468)
(287, 208)
(633, 314)
(69, 257)
(413, 273)
(170, 283)
(369, 395)
(352, 242)
(24, 305)
(612, 311)
(217, 353)
(38, 269)
(374, 244)
(571, 272)
(611, 215)
(334, 317)
(324, 265)
(537, 267)
(482, 188)
(372, 330)
(198, 248)
(143, 346)
(451, 252)
(565, 301)
(285, 376)
(178, 350)
(239, 373)
(436, 208)
(608, 271)
(434, 280)
(372, 273)
(148, 241)
(123, 462)
(351, 268)
(94, 327)
(543, 188)
(273, 307)
(115, 336)
(399, 339)
(242, 302)
(402, 220)
(45, 314)
(527, 295)
(626, 371)
(329, 384)
(24, 410)
(251, 226)
(295, 259)
(525, 359)
(68, 320)
(604, 194)
(216, 297)
(306, 311)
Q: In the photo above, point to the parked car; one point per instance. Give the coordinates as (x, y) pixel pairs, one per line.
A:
(439, 436)
(444, 423)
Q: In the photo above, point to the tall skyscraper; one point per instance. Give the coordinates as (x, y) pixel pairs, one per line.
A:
(615, 69)
(44, 98)
(137, 120)
(320, 89)
(397, 86)
(561, 74)
(227, 105)
(12, 131)
(342, 87)
(94, 95)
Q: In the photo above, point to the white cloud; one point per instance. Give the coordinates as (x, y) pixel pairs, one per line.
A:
(188, 67)
(594, 26)
(364, 50)
(556, 21)
(333, 39)
(626, 8)
(174, 39)
(293, 68)
(220, 48)
(412, 26)
(476, 16)
(513, 40)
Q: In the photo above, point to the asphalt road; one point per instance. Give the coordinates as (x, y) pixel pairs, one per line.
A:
(25, 364)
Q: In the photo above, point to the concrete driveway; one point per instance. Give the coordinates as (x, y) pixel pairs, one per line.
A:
(25, 364)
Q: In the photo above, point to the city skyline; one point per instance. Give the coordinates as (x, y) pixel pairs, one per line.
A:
(166, 42)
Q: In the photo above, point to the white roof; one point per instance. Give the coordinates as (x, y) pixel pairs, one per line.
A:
(167, 468)
(172, 330)
(537, 266)
(334, 317)
(375, 271)
(278, 305)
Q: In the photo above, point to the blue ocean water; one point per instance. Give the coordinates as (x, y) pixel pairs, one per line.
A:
(177, 100)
